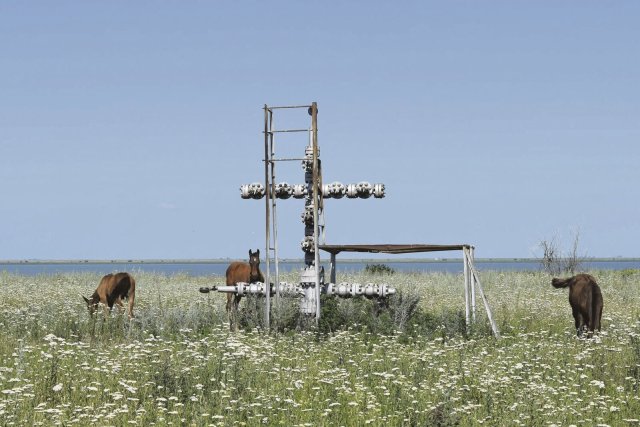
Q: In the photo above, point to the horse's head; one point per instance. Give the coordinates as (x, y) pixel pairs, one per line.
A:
(92, 303)
(254, 263)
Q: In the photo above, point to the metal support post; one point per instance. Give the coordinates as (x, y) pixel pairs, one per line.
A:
(332, 274)
(316, 203)
(274, 220)
(467, 284)
(473, 288)
(267, 186)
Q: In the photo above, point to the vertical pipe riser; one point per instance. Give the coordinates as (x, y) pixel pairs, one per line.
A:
(267, 185)
(316, 203)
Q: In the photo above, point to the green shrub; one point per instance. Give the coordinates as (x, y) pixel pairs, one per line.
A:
(378, 269)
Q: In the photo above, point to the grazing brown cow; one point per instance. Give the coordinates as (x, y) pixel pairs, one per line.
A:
(242, 272)
(113, 288)
(586, 302)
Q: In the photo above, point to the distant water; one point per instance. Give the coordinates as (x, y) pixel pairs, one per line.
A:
(217, 268)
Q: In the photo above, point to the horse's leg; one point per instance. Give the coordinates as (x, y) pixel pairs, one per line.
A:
(589, 323)
(229, 312)
(236, 304)
(578, 320)
(111, 300)
(120, 305)
(599, 317)
(589, 315)
(596, 312)
(229, 299)
(132, 297)
(232, 311)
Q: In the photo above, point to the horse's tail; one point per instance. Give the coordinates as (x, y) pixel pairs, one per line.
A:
(561, 283)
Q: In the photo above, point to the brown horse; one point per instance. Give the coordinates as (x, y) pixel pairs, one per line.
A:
(242, 272)
(113, 288)
(586, 302)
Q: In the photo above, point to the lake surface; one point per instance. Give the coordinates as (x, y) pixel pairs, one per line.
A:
(33, 268)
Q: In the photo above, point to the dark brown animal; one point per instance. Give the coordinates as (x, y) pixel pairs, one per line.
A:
(242, 272)
(113, 288)
(586, 301)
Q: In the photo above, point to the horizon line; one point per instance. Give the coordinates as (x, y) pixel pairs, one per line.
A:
(296, 260)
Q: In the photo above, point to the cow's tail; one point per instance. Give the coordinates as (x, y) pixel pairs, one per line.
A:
(561, 283)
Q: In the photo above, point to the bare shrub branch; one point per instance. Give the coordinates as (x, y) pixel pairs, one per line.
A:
(554, 262)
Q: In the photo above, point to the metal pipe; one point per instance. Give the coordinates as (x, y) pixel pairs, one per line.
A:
(267, 308)
(335, 190)
(473, 288)
(369, 290)
(287, 159)
(273, 208)
(288, 131)
(314, 131)
(494, 327)
(289, 106)
(344, 289)
(332, 274)
(465, 260)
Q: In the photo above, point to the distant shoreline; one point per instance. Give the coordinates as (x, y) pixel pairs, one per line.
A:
(297, 260)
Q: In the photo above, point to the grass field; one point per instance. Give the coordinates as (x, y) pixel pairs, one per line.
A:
(178, 364)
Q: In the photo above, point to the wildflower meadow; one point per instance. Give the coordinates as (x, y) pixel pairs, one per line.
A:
(412, 363)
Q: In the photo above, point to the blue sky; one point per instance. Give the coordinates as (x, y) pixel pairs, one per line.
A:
(126, 128)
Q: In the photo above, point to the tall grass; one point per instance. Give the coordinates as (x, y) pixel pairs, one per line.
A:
(412, 364)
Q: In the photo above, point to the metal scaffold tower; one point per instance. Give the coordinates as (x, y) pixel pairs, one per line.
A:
(313, 192)
(312, 281)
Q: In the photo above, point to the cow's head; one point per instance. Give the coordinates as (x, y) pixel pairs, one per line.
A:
(254, 263)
